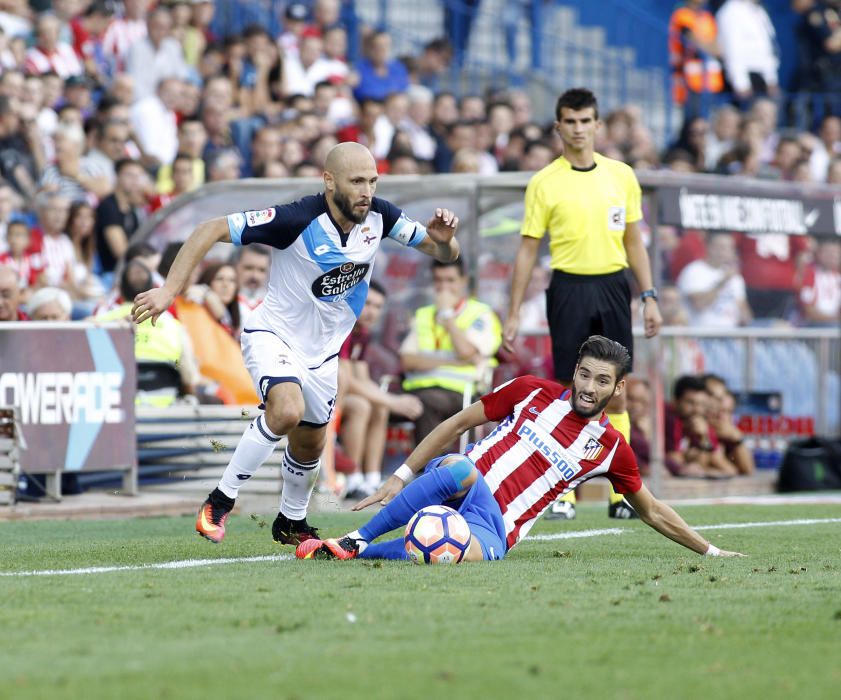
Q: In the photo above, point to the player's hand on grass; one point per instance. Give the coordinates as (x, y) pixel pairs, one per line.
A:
(726, 553)
(151, 304)
(442, 226)
(392, 486)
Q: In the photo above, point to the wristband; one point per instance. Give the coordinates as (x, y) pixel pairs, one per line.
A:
(404, 473)
(712, 551)
(446, 314)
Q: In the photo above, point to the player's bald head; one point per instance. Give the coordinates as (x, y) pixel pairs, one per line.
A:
(347, 157)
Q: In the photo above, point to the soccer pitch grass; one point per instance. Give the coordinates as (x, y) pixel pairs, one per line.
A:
(622, 615)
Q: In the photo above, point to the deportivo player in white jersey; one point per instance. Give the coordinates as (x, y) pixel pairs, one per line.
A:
(323, 251)
(548, 441)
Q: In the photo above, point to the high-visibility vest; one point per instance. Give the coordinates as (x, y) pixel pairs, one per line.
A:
(159, 343)
(692, 70)
(433, 340)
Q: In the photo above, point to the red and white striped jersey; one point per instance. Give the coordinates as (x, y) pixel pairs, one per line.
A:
(542, 449)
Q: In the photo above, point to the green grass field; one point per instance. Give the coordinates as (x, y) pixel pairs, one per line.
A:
(629, 615)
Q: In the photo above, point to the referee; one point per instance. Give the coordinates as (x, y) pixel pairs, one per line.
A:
(591, 207)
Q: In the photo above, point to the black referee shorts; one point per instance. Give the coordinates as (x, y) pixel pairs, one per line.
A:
(578, 306)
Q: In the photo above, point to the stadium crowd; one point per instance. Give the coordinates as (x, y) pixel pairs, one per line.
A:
(109, 111)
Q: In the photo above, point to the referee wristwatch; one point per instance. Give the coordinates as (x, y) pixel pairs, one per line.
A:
(649, 294)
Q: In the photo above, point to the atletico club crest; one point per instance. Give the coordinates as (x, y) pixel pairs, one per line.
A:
(592, 450)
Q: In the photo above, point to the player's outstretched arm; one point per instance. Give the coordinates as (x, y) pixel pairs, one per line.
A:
(440, 241)
(666, 521)
(431, 446)
(154, 302)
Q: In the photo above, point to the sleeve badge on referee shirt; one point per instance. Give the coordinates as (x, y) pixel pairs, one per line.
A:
(616, 218)
(592, 450)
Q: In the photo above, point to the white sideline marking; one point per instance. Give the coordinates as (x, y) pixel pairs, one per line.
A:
(736, 526)
(576, 534)
(722, 526)
(182, 564)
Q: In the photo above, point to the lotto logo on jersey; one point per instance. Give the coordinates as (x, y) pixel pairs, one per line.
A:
(592, 450)
(260, 216)
(335, 284)
(616, 218)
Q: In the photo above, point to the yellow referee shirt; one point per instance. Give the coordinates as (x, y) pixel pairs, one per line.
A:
(585, 212)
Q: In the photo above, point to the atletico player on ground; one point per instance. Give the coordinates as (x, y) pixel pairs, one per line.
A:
(549, 440)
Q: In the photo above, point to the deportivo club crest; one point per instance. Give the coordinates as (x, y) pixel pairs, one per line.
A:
(592, 450)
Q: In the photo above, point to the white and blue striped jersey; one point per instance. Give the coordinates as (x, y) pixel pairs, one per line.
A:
(319, 275)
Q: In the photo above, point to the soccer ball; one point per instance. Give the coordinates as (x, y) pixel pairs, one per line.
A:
(437, 535)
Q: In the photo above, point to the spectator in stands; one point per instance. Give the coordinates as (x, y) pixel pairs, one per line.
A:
(50, 54)
(28, 265)
(536, 156)
(820, 293)
(156, 56)
(56, 248)
(83, 284)
(713, 288)
(748, 50)
(155, 122)
(310, 67)
(118, 215)
(88, 30)
(364, 406)
(124, 31)
(295, 19)
(192, 139)
(772, 265)
(370, 110)
(433, 62)
(638, 391)
(692, 140)
(379, 74)
(692, 448)
(450, 346)
(266, 148)
(49, 304)
(111, 146)
(672, 308)
(822, 34)
(693, 55)
(164, 342)
(720, 415)
(253, 92)
(224, 165)
(21, 149)
(787, 154)
(10, 296)
(722, 137)
(417, 121)
(252, 264)
(183, 181)
(70, 175)
(217, 291)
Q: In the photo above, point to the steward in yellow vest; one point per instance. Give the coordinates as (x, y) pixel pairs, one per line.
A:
(449, 348)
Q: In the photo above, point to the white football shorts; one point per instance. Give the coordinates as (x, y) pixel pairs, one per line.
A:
(270, 361)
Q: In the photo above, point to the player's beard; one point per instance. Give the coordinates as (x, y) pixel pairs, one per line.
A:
(344, 205)
(596, 410)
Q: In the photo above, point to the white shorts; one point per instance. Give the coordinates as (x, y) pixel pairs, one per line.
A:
(270, 361)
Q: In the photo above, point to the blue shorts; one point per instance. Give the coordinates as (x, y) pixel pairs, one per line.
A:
(481, 511)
